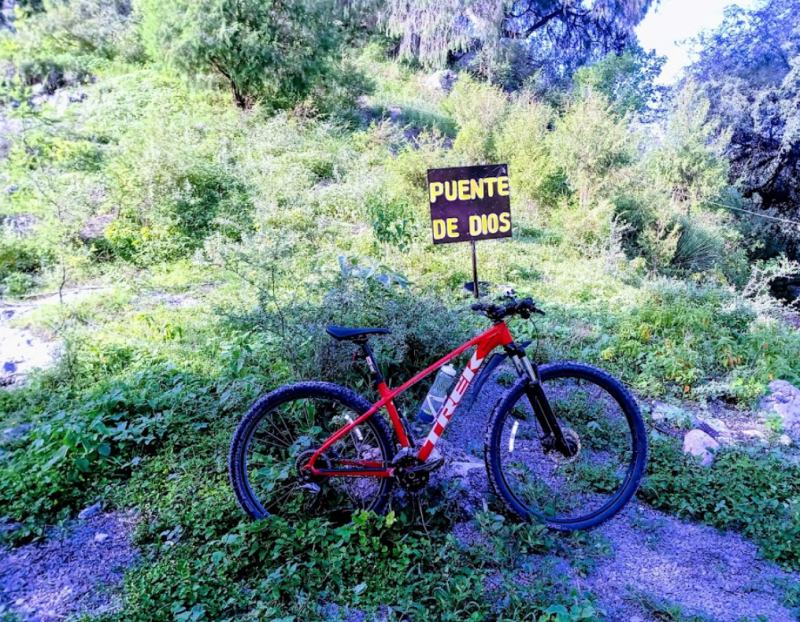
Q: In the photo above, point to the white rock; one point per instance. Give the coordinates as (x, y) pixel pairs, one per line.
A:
(783, 401)
(754, 434)
(92, 510)
(673, 415)
(100, 537)
(441, 80)
(698, 443)
(462, 469)
(785, 440)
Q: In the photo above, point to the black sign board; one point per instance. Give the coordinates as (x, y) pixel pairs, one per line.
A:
(469, 203)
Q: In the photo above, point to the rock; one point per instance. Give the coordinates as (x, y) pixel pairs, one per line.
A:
(92, 510)
(8, 526)
(700, 444)
(661, 412)
(463, 469)
(441, 80)
(11, 189)
(717, 428)
(95, 227)
(784, 440)
(756, 435)
(783, 401)
(18, 432)
(100, 537)
(19, 225)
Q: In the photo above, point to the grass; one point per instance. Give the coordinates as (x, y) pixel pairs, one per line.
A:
(141, 410)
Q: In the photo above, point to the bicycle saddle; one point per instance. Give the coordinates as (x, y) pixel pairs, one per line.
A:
(341, 333)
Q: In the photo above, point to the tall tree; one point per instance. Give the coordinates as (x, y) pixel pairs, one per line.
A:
(749, 70)
(553, 37)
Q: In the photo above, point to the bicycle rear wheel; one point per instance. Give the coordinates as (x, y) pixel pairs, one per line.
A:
(279, 434)
(595, 411)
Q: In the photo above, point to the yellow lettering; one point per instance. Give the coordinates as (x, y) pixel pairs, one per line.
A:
(463, 190)
(475, 224)
(505, 222)
(436, 189)
(492, 223)
(503, 186)
(489, 181)
(450, 190)
(452, 228)
(476, 189)
(438, 229)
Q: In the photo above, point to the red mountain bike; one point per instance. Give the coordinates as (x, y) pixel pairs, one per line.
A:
(565, 445)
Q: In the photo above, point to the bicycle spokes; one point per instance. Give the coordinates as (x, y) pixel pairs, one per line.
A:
(544, 479)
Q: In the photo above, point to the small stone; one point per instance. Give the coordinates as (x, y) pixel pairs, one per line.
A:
(785, 440)
(783, 401)
(717, 428)
(463, 469)
(672, 415)
(441, 80)
(757, 435)
(16, 433)
(701, 445)
(100, 537)
(92, 510)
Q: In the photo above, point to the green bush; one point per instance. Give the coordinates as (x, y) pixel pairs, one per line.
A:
(522, 142)
(393, 220)
(17, 257)
(477, 109)
(685, 337)
(262, 51)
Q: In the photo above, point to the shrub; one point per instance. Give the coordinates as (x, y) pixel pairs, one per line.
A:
(17, 256)
(522, 142)
(477, 109)
(263, 51)
(393, 220)
(685, 336)
(591, 145)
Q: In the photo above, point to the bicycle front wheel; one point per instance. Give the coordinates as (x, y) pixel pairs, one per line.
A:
(596, 412)
(279, 434)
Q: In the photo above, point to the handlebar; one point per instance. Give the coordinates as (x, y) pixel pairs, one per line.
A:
(523, 308)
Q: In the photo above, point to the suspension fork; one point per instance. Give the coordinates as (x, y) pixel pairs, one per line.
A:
(553, 436)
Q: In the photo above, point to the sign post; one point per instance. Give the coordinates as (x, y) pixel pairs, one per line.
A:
(470, 203)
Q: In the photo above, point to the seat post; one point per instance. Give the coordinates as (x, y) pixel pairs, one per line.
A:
(377, 377)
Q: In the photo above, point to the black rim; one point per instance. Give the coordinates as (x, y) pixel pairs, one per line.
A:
(551, 489)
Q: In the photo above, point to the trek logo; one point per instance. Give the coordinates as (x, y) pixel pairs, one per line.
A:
(452, 401)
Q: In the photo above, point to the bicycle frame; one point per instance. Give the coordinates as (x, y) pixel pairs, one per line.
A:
(496, 336)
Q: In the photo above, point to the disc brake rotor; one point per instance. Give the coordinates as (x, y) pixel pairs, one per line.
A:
(573, 441)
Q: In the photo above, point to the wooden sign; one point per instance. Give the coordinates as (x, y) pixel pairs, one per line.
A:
(469, 203)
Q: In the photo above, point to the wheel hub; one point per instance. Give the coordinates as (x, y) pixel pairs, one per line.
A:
(573, 442)
(304, 475)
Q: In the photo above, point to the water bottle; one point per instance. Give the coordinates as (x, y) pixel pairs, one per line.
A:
(437, 394)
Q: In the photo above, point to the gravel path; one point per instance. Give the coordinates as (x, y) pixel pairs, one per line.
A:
(78, 570)
(656, 561)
